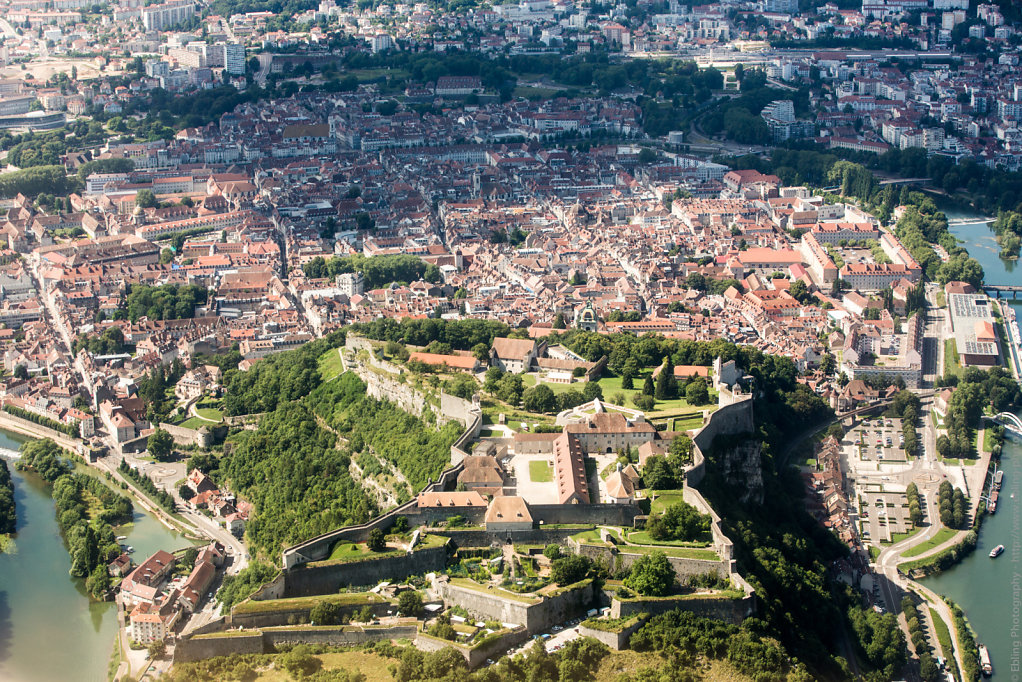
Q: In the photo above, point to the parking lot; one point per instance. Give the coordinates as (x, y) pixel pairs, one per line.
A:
(882, 514)
(875, 440)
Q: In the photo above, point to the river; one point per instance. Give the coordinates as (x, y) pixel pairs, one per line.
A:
(50, 631)
(990, 590)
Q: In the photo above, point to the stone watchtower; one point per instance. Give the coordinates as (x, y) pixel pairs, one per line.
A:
(586, 318)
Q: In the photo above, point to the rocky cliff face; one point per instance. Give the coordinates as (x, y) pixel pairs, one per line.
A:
(739, 464)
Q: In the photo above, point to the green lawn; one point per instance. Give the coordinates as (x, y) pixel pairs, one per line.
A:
(941, 299)
(540, 471)
(686, 423)
(588, 536)
(944, 637)
(682, 552)
(210, 413)
(330, 364)
(942, 536)
(898, 537)
(296, 603)
(611, 385)
(643, 538)
(665, 499)
(952, 364)
(348, 551)
(988, 440)
(193, 423)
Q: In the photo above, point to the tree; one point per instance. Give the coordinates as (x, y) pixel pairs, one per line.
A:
(652, 575)
(325, 613)
(157, 648)
(540, 399)
(696, 392)
(299, 662)
(665, 381)
(145, 198)
(160, 445)
(510, 389)
(680, 521)
(443, 629)
(410, 604)
(185, 492)
(647, 386)
(592, 391)
(570, 569)
(552, 551)
(658, 474)
(377, 541)
(21, 372)
(799, 291)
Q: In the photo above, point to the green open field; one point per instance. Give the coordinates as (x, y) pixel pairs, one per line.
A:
(540, 471)
(942, 536)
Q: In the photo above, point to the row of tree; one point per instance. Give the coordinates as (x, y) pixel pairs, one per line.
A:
(157, 495)
(880, 640)
(953, 506)
(927, 666)
(68, 429)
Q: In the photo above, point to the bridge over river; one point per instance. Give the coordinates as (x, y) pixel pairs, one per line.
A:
(996, 290)
(1009, 421)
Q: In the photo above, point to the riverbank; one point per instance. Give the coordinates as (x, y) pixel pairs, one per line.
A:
(981, 586)
(52, 631)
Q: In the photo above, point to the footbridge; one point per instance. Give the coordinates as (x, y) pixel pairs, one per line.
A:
(1009, 290)
(1009, 421)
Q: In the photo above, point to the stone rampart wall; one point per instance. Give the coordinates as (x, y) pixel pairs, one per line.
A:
(328, 578)
(615, 640)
